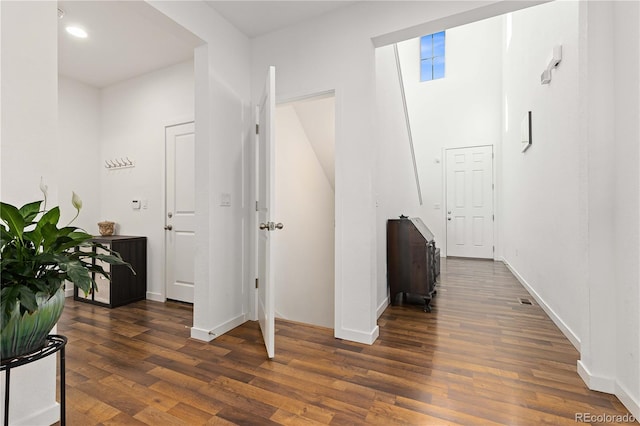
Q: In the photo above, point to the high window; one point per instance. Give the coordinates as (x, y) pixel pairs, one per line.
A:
(432, 56)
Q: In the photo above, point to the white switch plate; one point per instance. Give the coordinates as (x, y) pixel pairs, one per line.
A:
(135, 204)
(225, 200)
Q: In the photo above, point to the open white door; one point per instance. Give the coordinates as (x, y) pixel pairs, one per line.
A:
(180, 212)
(265, 131)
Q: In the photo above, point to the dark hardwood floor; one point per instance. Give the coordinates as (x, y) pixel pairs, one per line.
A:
(479, 358)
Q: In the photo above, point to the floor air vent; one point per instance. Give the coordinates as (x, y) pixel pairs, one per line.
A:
(524, 301)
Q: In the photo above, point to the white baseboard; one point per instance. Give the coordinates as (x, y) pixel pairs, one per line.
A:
(382, 307)
(564, 328)
(201, 334)
(632, 404)
(358, 336)
(48, 416)
(610, 385)
(156, 297)
(593, 382)
(68, 292)
(209, 335)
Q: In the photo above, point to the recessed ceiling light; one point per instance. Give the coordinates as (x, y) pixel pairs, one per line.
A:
(77, 32)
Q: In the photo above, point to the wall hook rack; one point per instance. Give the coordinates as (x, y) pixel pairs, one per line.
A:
(118, 163)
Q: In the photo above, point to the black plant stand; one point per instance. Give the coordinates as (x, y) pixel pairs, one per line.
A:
(55, 343)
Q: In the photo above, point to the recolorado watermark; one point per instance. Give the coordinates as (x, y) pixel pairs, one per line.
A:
(604, 418)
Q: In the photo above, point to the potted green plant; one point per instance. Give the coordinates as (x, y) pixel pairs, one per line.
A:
(37, 257)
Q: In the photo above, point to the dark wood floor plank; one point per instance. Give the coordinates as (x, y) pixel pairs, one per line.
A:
(479, 358)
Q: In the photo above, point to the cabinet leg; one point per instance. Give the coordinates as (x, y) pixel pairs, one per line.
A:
(7, 388)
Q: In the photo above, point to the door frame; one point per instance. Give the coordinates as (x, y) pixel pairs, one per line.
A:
(163, 200)
(493, 195)
(254, 222)
(317, 96)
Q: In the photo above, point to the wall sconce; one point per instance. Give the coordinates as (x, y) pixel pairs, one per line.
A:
(545, 78)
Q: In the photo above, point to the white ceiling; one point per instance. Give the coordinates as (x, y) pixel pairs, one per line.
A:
(130, 38)
(126, 39)
(255, 18)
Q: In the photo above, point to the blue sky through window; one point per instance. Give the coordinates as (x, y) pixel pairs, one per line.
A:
(432, 56)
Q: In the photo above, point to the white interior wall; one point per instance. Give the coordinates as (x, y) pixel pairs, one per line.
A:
(79, 141)
(133, 117)
(304, 249)
(29, 142)
(541, 191)
(597, 343)
(224, 269)
(397, 191)
(626, 78)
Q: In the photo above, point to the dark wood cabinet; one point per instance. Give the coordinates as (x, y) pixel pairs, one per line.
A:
(411, 261)
(125, 286)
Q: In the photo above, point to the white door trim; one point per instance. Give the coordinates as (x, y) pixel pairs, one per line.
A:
(444, 248)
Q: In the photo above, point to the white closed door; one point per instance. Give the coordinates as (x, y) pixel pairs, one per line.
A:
(469, 189)
(265, 112)
(180, 211)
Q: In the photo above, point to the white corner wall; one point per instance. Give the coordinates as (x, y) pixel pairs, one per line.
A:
(28, 143)
(542, 207)
(133, 115)
(224, 269)
(304, 249)
(626, 17)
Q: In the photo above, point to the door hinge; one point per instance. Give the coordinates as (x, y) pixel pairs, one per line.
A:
(492, 249)
(493, 186)
(257, 209)
(257, 129)
(493, 217)
(256, 282)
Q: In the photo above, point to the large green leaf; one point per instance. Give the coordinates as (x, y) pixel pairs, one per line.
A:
(8, 300)
(30, 211)
(52, 217)
(77, 274)
(49, 234)
(27, 298)
(5, 237)
(14, 220)
(35, 236)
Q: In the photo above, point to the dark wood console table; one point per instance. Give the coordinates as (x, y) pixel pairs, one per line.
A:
(411, 261)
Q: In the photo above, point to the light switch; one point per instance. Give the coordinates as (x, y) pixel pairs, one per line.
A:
(135, 204)
(225, 200)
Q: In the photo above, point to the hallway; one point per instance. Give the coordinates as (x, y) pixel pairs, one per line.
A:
(480, 357)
